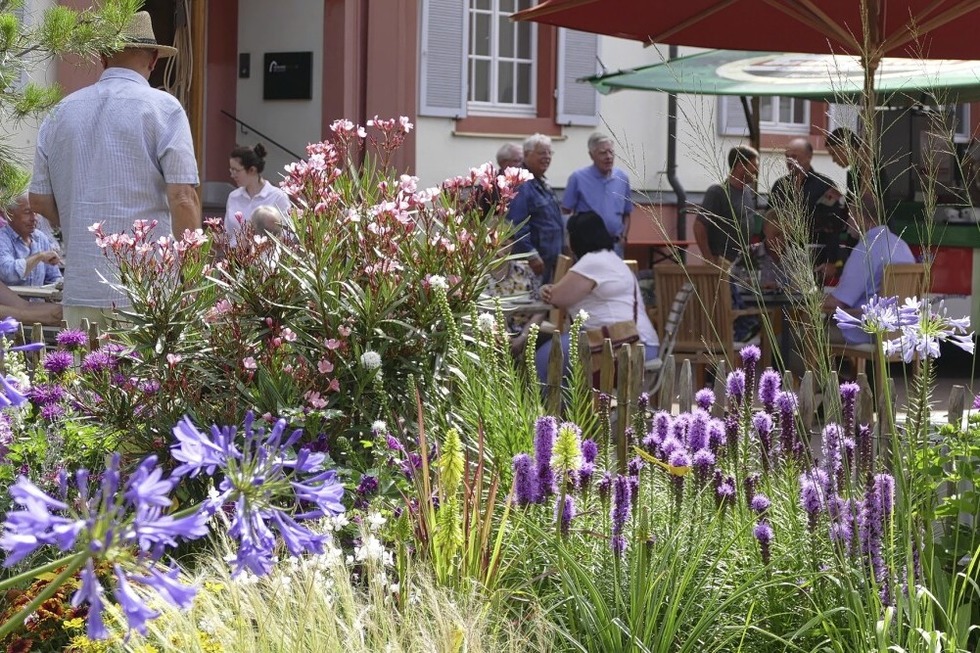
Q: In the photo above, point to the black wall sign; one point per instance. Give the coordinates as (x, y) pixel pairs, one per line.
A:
(288, 76)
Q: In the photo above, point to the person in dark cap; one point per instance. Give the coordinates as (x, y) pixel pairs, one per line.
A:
(114, 152)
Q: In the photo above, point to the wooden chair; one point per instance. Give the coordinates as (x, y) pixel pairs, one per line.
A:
(653, 370)
(704, 332)
(899, 280)
(557, 318)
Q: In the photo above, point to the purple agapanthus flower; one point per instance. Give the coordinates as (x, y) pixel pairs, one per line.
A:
(879, 316)
(9, 326)
(931, 326)
(10, 394)
(71, 339)
(262, 479)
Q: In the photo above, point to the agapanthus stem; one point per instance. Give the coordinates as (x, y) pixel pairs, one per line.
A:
(34, 573)
(18, 619)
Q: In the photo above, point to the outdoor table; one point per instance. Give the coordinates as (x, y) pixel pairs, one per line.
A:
(49, 293)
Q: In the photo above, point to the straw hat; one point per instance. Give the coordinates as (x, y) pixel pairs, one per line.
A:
(139, 34)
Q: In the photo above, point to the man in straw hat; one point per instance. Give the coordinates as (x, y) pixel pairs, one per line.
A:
(114, 152)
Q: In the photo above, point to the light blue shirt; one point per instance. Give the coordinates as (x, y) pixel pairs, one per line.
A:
(864, 270)
(13, 259)
(609, 196)
(106, 153)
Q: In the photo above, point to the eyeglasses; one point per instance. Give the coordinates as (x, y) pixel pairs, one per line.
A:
(235, 170)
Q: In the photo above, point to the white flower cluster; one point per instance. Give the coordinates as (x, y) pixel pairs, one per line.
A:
(370, 360)
(486, 322)
(438, 282)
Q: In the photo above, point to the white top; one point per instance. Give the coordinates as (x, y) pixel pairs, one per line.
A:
(239, 202)
(106, 153)
(614, 294)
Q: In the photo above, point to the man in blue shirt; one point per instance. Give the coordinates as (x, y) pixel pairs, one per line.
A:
(28, 256)
(602, 188)
(535, 212)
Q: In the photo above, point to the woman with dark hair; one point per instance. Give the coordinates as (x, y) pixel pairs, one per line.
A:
(600, 284)
(245, 166)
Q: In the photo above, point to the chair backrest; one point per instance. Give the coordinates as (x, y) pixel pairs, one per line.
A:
(673, 319)
(558, 316)
(904, 280)
(706, 322)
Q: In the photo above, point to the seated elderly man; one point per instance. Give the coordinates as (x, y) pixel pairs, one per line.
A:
(266, 221)
(28, 256)
(864, 270)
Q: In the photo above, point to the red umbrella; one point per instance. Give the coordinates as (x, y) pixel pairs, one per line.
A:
(928, 29)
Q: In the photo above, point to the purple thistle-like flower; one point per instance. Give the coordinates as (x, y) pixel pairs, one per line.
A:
(764, 534)
(566, 514)
(393, 443)
(57, 362)
(52, 412)
(97, 362)
(525, 480)
(760, 504)
(546, 429)
(43, 394)
(769, 384)
(704, 398)
(590, 451)
(735, 387)
(697, 432)
(367, 486)
(619, 513)
(71, 339)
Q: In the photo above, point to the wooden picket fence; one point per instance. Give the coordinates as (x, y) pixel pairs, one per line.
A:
(622, 378)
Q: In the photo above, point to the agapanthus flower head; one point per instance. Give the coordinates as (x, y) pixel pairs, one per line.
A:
(10, 392)
(57, 362)
(71, 339)
(878, 316)
(704, 398)
(9, 326)
(932, 325)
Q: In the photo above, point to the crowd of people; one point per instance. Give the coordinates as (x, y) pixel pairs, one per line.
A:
(120, 150)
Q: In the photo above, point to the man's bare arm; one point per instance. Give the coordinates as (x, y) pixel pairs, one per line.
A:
(46, 206)
(185, 207)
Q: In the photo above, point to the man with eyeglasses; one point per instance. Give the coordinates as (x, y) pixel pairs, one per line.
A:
(603, 188)
(535, 212)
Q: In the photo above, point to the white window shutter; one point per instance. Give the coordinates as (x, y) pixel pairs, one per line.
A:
(578, 57)
(442, 74)
(731, 116)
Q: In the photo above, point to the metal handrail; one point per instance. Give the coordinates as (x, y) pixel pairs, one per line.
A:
(268, 138)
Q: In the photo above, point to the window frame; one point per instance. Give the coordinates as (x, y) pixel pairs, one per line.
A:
(494, 107)
(727, 128)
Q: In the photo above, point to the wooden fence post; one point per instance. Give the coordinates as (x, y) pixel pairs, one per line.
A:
(665, 398)
(556, 372)
(684, 387)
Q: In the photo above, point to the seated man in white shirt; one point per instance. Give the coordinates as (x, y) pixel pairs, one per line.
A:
(28, 256)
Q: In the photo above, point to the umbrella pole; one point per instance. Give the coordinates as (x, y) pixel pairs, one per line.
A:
(672, 178)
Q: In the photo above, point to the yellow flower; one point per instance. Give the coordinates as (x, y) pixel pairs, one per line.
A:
(214, 586)
(73, 624)
(208, 643)
(82, 644)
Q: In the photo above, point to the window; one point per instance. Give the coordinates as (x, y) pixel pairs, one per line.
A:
(783, 115)
(493, 75)
(961, 123)
(500, 63)
(843, 115)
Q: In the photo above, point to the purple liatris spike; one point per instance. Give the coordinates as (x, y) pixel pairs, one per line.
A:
(812, 496)
(620, 513)
(769, 384)
(590, 451)
(786, 403)
(735, 387)
(724, 490)
(703, 461)
(643, 402)
(865, 452)
(751, 484)
(704, 398)
(634, 466)
(525, 480)
(716, 435)
(751, 354)
(848, 396)
(604, 486)
(833, 463)
(976, 402)
(760, 504)
(679, 460)
(669, 446)
(762, 426)
(546, 429)
(763, 533)
(564, 514)
(585, 473)
(697, 432)
(663, 424)
(839, 511)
